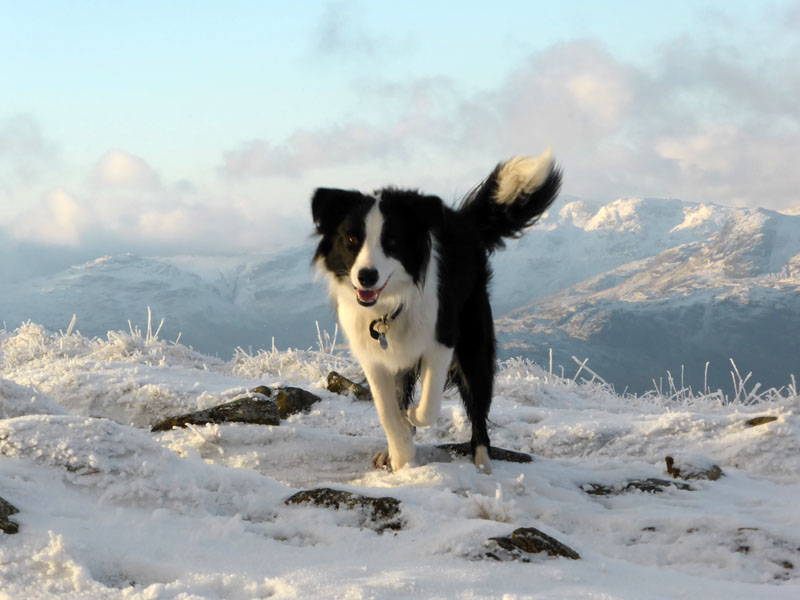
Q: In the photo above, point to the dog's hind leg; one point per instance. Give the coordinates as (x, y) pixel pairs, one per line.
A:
(435, 366)
(383, 385)
(475, 361)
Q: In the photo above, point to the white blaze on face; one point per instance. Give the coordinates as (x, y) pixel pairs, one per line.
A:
(371, 255)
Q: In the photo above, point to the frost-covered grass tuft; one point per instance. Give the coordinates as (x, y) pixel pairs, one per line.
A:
(525, 375)
(32, 343)
(744, 391)
(311, 366)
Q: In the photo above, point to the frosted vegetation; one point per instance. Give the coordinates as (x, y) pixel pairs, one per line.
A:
(110, 510)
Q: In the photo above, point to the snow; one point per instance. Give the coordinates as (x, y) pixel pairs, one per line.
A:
(110, 510)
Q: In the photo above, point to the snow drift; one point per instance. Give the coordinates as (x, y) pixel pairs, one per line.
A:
(109, 510)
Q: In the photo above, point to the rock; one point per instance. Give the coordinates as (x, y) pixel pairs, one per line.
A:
(654, 485)
(527, 540)
(263, 390)
(293, 400)
(651, 485)
(343, 386)
(255, 409)
(465, 449)
(689, 471)
(756, 421)
(6, 510)
(380, 514)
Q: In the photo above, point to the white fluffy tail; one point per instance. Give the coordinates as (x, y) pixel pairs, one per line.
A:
(512, 198)
(521, 175)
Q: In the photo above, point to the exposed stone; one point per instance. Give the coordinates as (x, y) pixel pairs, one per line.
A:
(293, 400)
(654, 485)
(527, 540)
(6, 510)
(465, 449)
(651, 485)
(689, 471)
(339, 384)
(255, 409)
(763, 420)
(380, 514)
(263, 390)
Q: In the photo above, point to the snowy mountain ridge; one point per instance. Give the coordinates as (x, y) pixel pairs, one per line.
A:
(701, 282)
(731, 294)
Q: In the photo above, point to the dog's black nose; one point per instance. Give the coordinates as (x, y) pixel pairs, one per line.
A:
(368, 277)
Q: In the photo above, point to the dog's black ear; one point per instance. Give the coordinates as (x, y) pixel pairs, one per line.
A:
(431, 209)
(427, 211)
(329, 207)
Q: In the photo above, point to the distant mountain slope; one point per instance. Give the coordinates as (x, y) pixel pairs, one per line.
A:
(106, 293)
(581, 240)
(639, 286)
(734, 295)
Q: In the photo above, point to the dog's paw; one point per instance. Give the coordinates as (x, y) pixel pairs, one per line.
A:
(482, 460)
(418, 418)
(381, 460)
(411, 415)
(392, 462)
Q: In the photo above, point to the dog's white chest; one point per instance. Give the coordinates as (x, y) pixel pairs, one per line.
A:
(400, 342)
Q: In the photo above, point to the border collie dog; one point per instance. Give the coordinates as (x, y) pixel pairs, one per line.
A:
(409, 277)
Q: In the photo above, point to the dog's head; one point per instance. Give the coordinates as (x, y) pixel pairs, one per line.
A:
(374, 246)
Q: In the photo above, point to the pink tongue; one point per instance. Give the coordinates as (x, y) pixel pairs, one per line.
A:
(367, 295)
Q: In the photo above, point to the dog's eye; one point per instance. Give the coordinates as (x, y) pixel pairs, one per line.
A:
(352, 240)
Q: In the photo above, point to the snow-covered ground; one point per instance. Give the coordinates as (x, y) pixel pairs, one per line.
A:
(108, 509)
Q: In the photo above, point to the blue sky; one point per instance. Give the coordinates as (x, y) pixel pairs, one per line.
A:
(192, 127)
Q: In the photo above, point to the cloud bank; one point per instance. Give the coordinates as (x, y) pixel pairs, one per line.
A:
(702, 123)
(124, 206)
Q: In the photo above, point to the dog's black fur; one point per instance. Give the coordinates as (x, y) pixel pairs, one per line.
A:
(416, 229)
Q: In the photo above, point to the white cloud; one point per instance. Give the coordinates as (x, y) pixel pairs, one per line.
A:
(305, 149)
(60, 221)
(569, 95)
(704, 123)
(118, 169)
(125, 207)
(701, 123)
(422, 113)
(704, 151)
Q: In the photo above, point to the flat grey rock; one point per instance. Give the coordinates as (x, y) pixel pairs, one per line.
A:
(6, 510)
(255, 409)
(526, 541)
(464, 449)
(379, 513)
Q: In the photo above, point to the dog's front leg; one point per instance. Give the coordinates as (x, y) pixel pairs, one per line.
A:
(398, 432)
(435, 365)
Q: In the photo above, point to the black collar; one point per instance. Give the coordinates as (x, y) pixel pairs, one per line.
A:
(383, 323)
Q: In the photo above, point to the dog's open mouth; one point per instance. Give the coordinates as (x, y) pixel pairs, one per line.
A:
(369, 297)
